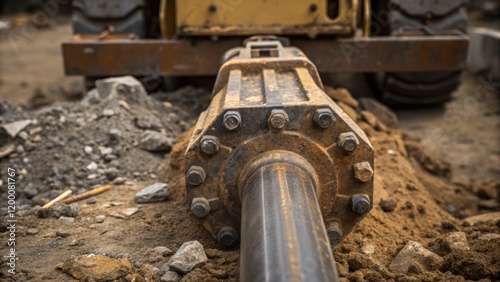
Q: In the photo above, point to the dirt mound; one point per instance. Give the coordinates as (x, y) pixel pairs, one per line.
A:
(416, 196)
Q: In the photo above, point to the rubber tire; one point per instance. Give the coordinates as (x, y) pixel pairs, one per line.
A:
(410, 89)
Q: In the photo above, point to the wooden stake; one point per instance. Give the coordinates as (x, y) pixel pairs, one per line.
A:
(57, 199)
(87, 194)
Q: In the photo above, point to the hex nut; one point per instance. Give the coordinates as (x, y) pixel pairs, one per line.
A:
(209, 144)
(324, 117)
(348, 141)
(360, 204)
(232, 120)
(228, 236)
(200, 207)
(334, 233)
(278, 119)
(195, 175)
(363, 171)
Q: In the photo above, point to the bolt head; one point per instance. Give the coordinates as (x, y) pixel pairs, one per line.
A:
(334, 233)
(348, 142)
(228, 236)
(324, 117)
(200, 207)
(363, 171)
(232, 120)
(360, 204)
(195, 175)
(209, 144)
(278, 119)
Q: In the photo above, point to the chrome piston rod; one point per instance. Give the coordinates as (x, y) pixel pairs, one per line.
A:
(282, 230)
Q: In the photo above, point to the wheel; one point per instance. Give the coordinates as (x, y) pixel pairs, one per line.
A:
(417, 88)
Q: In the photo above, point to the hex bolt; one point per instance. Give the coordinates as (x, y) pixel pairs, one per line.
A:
(232, 120)
(278, 119)
(324, 117)
(363, 171)
(348, 141)
(360, 204)
(200, 207)
(209, 144)
(228, 236)
(195, 175)
(334, 232)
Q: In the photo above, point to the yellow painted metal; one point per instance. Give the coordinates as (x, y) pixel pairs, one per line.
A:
(167, 18)
(281, 17)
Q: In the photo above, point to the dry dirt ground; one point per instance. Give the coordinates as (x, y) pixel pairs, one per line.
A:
(442, 170)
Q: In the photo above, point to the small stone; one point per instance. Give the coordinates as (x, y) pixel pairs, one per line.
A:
(117, 215)
(154, 193)
(66, 220)
(457, 241)
(105, 151)
(31, 231)
(368, 249)
(71, 210)
(170, 276)
(148, 122)
(62, 234)
(30, 191)
(74, 242)
(100, 218)
(92, 166)
(91, 200)
(388, 204)
(114, 134)
(130, 211)
(381, 111)
(163, 251)
(414, 253)
(189, 256)
(20, 149)
(163, 269)
(88, 150)
(37, 139)
(155, 141)
(108, 112)
(119, 181)
(112, 173)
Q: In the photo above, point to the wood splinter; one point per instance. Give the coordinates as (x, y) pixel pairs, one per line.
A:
(87, 194)
(57, 199)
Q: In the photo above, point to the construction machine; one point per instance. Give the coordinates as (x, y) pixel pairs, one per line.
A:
(274, 165)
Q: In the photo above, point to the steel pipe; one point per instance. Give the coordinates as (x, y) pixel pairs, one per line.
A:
(283, 237)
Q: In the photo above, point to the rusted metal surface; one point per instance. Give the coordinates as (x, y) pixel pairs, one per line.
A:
(270, 98)
(111, 57)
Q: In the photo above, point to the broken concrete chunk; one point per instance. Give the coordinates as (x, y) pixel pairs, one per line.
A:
(154, 193)
(189, 256)
(414, 253)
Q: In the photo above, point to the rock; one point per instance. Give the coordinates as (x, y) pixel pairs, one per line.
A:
(92, 166)
(348, 110)
(7, 150)
(170, 276)
(91, 201)
(148, 122)
(88, 150)
(381, 111)
(62, 234)
(97, 268)
(117, 215)
(370, 118)
(30, 191)
(14, 128)
(124, 87)
(163, 251)
(368, 249)
(100, 218)
(414, 253)
(105, 151)
(130, 211)
(487, 218)
(189, 256)
(71, 210)
(388, 204)
(456, 241)
(119, 181)
(108, 112)
(112, 173)
(32, 231)
(155, 141)
(66, 220)
(114, 134)
(341, 95)
(154, 193)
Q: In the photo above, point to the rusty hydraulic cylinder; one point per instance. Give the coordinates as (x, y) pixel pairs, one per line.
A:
(283, 237)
